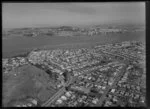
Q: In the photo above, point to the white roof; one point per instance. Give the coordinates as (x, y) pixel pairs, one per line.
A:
(59, 101)
(113, 90)
(18, 106)
(34, 102)
(24, 105)
(68, 94)
(103, 87)
(29, 104)
(94, 101)
(63, 98)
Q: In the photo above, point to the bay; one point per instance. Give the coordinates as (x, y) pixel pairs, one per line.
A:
(17, 45)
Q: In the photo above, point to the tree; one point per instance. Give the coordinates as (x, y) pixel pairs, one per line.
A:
(66, 75)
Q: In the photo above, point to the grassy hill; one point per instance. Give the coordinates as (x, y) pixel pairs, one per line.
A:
(28, 82)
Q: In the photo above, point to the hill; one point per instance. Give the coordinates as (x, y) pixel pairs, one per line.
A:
(25, 82)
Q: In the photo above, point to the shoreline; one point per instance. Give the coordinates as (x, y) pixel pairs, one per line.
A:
(27, 51)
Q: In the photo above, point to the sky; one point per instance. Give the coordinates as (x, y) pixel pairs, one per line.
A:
(16, 15)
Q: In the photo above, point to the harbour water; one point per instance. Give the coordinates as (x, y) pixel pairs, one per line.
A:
(17, 45)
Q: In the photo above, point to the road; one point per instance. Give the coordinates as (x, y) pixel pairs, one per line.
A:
(73, 79)
(60, 92)
(54, 97)
(108, 89)
(122, 55)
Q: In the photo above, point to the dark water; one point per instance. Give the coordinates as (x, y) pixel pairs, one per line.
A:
(16, 45)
